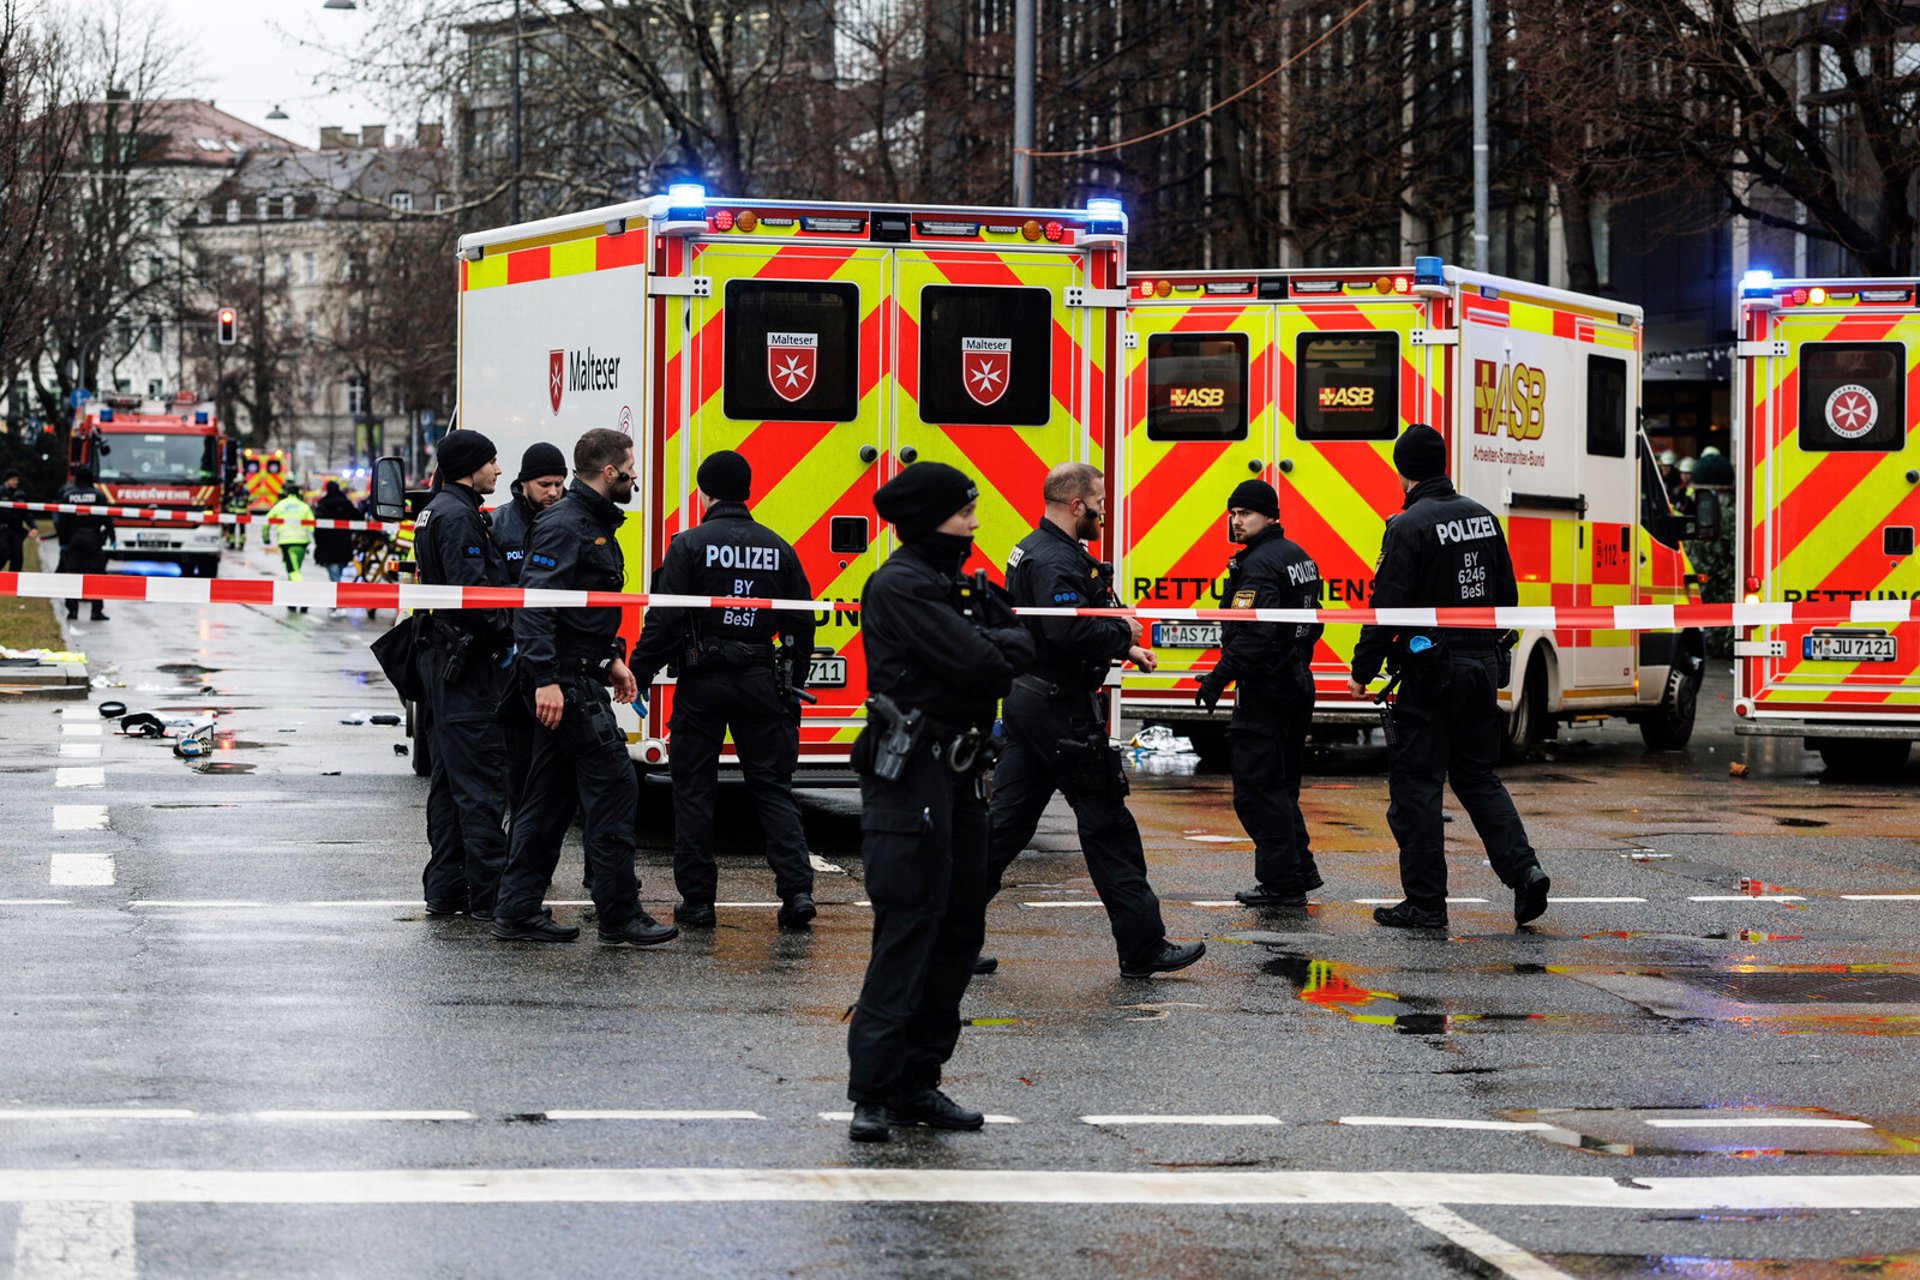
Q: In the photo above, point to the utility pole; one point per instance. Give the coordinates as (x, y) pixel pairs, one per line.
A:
(1023, 32)
(1482, 211)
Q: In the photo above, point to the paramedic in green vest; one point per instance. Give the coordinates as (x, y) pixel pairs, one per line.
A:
(293, 535)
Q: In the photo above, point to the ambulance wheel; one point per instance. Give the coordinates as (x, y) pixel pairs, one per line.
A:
(1527, 722)
(1669, 726)
(1875, 759)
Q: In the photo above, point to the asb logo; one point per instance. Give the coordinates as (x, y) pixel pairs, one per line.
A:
(556, 377)
(1346, 397)
(792, 361)
(1852, 411)
(1510, 398)
(985, 365)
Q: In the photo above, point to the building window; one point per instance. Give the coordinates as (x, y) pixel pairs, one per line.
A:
(286, 208)
(402, 202)
(155, 388)
(156, 212)
(356, 396)
(261, 204)
(356, 266)
(233, 211)
(309, 268)
(155, 334)
(286, 266)
(439, 202)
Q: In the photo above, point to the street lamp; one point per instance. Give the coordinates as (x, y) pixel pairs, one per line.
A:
(277, 113)
(339, 4)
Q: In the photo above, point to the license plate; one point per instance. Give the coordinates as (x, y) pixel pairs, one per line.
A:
(1849, 648)
(153, 540)
(827, 673)
(1186, 635)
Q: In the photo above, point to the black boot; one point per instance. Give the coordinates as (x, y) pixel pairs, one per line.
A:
(534, 929)
(984, 965)
(695, 915)
(1530, 896)
(641, 931)
(797, 912)
(869, 1124)
(933, 1109)
(1404, 915)
(1261, 896)
(1168, 957)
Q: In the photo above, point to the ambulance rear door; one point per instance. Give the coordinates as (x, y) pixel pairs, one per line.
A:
(785, 357)
(1198, 421)
(1834, 498)
(1356, 365)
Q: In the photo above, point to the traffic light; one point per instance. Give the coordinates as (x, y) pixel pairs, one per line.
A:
(226, 324)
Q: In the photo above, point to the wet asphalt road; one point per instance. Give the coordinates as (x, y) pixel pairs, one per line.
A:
(223, 969)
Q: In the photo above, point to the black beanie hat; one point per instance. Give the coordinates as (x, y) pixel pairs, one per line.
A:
(461, 454)
(1420, 453)
(920, 498)
(541, 459)
(1255, 495)
(725, 477)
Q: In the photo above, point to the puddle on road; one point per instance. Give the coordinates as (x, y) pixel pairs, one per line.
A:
(209, 766)
(1838, 999)
(1742, 935)
(1621, 1266)
(1327, 984)
(1744, 1133)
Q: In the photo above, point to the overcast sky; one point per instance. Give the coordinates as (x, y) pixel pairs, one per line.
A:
(250, 55)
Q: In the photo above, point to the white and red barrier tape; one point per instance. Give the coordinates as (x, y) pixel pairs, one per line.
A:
(174, 515)
(380, 595)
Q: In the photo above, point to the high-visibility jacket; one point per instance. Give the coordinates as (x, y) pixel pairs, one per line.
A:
(291, 509)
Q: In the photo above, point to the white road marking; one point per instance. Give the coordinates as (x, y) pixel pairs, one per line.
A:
(79, 817)
(1880, 897)
(1095, 903)
(193, 902)
(1426, 1122)
(749, 904)
(1394, 902)
(1557, 900)
(975, 1186)
(80, 776)
(80, 750)
(653, 1115)
(1221, 839)
(1226, 1121)
(1747, 897)
(1757, 1122)
(844, 1116)
(363, 1115)
(1508, 1259)
(366, 902)
(75, 1240)
(36, 902)
(81, 869)
(95, 1113)
(1206, 902)
(82, 730)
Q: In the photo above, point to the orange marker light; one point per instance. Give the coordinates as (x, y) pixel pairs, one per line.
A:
(747, 220)
(1030, 228)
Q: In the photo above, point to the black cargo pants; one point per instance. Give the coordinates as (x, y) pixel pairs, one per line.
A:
(466, 786)
(1267, 745)
(1032, 767)
(581, 765)
(924, 848)
(766, 737)
(1451, 737)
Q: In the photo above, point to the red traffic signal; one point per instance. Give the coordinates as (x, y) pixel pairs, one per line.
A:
(226, 326)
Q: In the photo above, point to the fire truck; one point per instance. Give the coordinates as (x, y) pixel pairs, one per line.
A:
(1305, 378)
(1827, 464)
(149, 453)
(831, 344)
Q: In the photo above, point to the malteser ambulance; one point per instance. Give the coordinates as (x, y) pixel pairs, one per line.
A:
(1305, 377)
(1828, 467)
(831, 344)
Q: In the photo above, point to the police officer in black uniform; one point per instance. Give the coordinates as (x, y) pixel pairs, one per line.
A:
(730, 674)
(83, 539)
(1056, 729)
(1444, 550)
(466, 667)
(542, 479)
(568, 660)
(941, 652)
(15, 526)
(1272, 664)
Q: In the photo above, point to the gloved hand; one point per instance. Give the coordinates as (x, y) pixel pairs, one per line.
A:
(1208, 694)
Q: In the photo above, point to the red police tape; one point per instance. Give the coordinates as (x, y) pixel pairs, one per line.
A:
(176, 516)
(376, 595)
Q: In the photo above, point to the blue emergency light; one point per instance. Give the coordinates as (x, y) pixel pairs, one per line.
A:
(686, 199)
(1757, 284)
(1105, 208)
(150, 568)
(200, 417)
(1429, 270)
(106, 415)
(1105, 217)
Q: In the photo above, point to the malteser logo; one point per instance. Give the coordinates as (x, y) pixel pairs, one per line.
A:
(985, 365)
(556, 377)
(580, 371)
(793, 361)
(1510, 398)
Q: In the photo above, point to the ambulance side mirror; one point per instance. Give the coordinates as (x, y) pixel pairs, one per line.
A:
(1706, 514)
(389, 490)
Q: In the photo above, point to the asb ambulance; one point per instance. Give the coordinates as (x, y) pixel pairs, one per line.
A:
(1828, 467)
(831, 344)
(1305, 378)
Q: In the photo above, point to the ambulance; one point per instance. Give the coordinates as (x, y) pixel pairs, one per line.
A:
(1305, 377)
(832, 344)
(1828, 467)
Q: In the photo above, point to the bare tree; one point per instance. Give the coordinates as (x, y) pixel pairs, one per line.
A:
(37, 135)
(261, 382)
